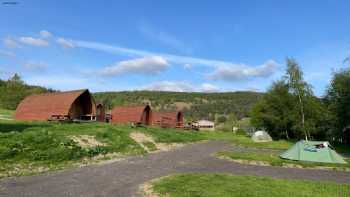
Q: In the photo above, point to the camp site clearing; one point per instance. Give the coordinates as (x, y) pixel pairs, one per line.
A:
(109, 159)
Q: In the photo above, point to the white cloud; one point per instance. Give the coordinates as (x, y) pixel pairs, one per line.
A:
(7, 53)
(207, 87)
(187, 66)
(169, 86)
(169, 57)
(145, 65)
(34, 41)
(65, 43)
(10, 43)
(236, 72)
(141, 53)
(45, 34)
(180, 86)
(34, 65)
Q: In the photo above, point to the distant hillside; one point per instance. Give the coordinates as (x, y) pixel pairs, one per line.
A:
(13, 90)
(195, 105)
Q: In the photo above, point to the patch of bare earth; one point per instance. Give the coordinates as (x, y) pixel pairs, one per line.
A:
(146, 190)
(142, 138)
(24, 169)
(86, 141)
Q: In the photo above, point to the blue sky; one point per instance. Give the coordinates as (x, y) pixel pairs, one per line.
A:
(171, 45)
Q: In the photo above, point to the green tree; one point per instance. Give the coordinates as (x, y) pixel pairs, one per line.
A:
(14, 90)
(221, 119)
(275, 112)
(298, 87)
(338, 100)
(290, 110)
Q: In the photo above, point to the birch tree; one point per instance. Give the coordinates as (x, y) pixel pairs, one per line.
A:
(298, 87)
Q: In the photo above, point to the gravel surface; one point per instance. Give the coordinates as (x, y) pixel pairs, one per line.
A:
(122, 178)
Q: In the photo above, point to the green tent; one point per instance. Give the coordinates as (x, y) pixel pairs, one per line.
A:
(315, 151)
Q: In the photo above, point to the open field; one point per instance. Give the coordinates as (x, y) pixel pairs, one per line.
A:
(34, 147)
(244, 141)
(229, 185)
(273, 159)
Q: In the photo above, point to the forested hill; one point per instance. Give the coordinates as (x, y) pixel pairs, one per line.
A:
(13, 90)
(195, 105)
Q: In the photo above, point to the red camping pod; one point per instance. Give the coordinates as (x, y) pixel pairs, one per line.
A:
(78, 104)
(132, 114)
(168, 119)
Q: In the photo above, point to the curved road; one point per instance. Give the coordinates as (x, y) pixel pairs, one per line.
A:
(122, 178)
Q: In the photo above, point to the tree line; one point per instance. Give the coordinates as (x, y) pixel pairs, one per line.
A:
(195, 105)
(290, 110)
(13, 90)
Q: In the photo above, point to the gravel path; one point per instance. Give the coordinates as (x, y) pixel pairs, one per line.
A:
(122, 178)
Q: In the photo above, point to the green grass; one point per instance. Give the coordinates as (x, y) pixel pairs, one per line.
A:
(5, 113)
(172, 135)
(205, 185)
(31, 145)
(150, 146)
(342, 148)
(245, 141)
(26, 146)
(274, 159)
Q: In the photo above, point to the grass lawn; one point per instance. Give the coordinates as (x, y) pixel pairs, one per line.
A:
(31, 147)
(205, 185)
(245, 141)
(274, 159)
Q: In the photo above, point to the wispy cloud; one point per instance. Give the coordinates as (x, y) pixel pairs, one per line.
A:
(35, 65)
(45, 34)
(224, 70)
(207, 87)
(10, 43)
(180, 86)
(169, 86)
(242, 71)
(142, 53)
(65, 43)
(164, 38)
(7, 53)
(187, 66)
(34, 41)
(147, 65)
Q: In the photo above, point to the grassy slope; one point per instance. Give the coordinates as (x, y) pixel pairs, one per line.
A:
(275, 160)
(186, 185)
(27, 146)
(6, 113)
